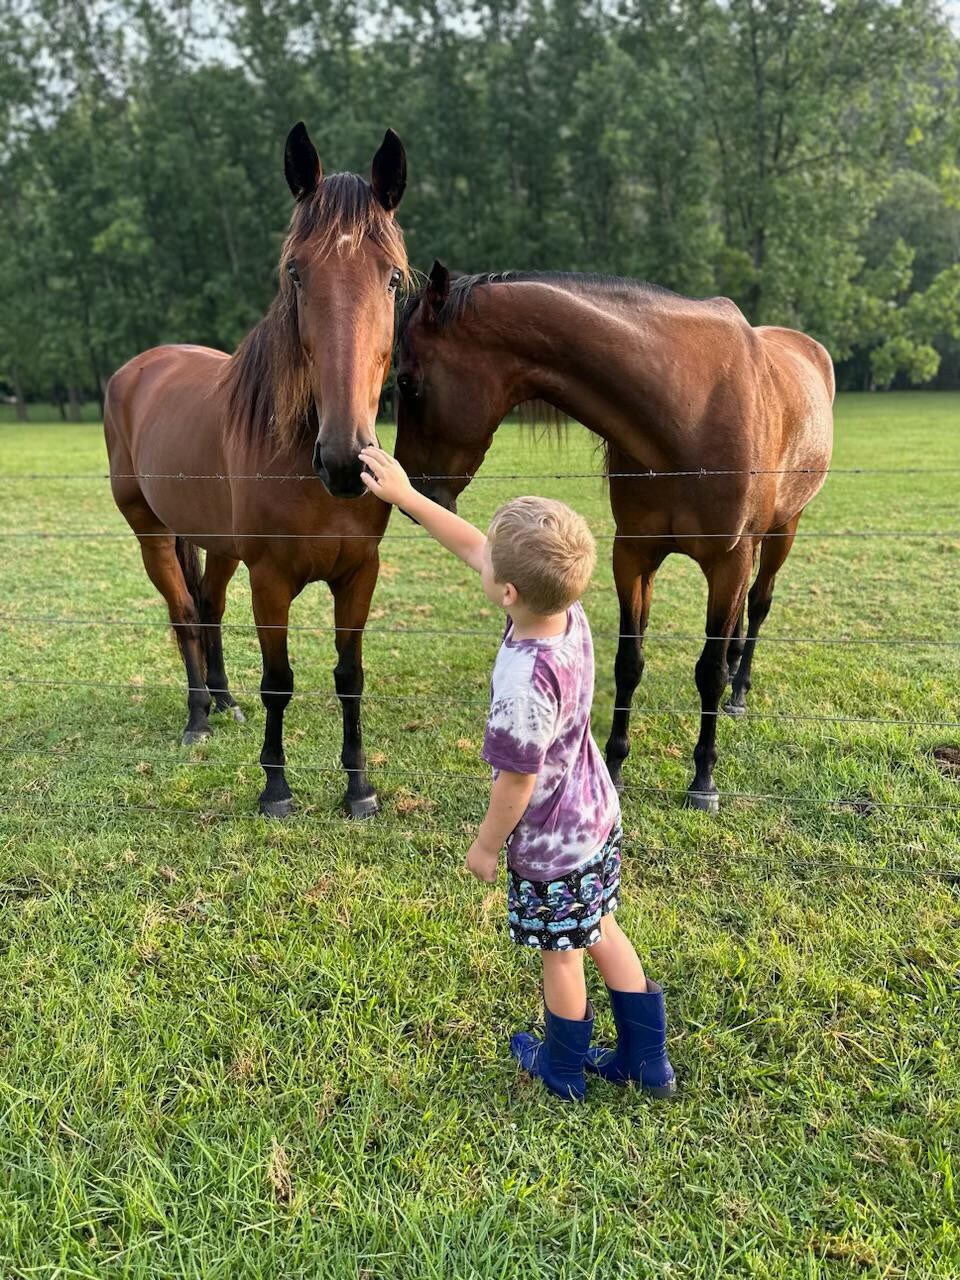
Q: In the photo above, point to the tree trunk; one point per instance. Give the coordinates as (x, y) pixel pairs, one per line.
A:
(98, 377)
(21, 399)
(754, 298)
(74, 402)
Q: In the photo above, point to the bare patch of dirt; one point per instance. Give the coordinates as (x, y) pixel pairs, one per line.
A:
(278, 1174)
(863, 804)
(320, 890)
(947, 760)
(407, 802)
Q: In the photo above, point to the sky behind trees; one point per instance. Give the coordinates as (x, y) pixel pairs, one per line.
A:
(799, 157)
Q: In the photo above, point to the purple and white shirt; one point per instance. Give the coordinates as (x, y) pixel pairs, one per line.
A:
(540, 698)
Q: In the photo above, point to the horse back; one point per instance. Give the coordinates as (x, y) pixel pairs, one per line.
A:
(166, 387)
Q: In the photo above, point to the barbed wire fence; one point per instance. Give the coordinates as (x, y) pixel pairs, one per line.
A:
(860, 805)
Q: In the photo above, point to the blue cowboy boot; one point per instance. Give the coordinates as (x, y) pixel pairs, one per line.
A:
(558, 1058)
(641, 1052)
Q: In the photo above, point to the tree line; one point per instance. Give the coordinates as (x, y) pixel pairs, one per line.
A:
(799, 157)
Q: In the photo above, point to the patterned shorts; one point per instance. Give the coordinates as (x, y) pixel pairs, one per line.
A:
(564, 914)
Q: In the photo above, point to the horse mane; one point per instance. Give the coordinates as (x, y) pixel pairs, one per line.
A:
(543, 418)
(579, 282)
(531, 414)
(267, 379)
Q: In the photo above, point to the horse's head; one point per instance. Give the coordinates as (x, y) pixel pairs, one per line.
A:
(342, 263)
(452, 393)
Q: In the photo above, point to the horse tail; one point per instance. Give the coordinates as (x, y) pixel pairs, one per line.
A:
(188, 555)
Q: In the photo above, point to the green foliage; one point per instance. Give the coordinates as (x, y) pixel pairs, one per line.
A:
(916, 359)
(799, 157)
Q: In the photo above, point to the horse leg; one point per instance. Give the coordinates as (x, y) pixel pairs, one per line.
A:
(166, 573)
(634, 569)
(272, 596)
(735, 649)
(773, 553)
(727, 585)
(351, 605)
(217, 573)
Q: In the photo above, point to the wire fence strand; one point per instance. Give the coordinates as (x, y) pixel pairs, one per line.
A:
(491, 633)
(860, 804)
(805, 866)
(648, 712)
(88, 535)
(855, 802)
(691, 473)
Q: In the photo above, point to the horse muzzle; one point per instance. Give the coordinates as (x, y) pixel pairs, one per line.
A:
(340, 477)
(440, 494)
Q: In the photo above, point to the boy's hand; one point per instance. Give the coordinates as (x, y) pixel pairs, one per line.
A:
(385, 477)
(482, 862)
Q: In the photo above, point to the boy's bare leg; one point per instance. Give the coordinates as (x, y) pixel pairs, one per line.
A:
(616, 959)
(564, 986)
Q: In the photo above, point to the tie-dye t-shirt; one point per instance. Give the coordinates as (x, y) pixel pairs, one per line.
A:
(540, 698)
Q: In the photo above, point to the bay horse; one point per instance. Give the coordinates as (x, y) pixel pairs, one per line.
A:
(298, 398)
(670, 384)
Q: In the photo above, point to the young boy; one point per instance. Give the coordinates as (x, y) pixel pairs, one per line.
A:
(552, 802)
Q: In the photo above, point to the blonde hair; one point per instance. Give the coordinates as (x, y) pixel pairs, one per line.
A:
(545, 549)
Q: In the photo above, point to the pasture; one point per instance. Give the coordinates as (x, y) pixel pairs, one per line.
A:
(233, 1048)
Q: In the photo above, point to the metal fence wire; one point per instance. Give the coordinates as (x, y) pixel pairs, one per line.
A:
(860, 805)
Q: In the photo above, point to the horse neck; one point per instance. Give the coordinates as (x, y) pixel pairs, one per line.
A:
(600, 365)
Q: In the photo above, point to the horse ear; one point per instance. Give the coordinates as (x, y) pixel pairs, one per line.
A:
(388, 173)
(301, 164)
(438, 286)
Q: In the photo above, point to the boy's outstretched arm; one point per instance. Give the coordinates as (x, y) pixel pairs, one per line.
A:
(387, 479)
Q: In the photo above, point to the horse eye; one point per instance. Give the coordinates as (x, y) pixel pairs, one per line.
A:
(407, 385)
(293, 273)
(396, 275)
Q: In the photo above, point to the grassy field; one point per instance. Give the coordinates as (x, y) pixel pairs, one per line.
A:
(236, 1049)
(46, 415)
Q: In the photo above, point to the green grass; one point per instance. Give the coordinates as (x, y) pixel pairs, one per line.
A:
(236, 1049)
(45, 415)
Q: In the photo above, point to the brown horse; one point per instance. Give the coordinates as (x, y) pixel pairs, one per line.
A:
(300, 392)
(670, 384)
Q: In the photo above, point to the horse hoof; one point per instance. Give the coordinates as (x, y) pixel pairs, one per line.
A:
(192, 736)
(705, 801)
(735, 710)
(277, 808)
(364, 807)
(231, 711)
